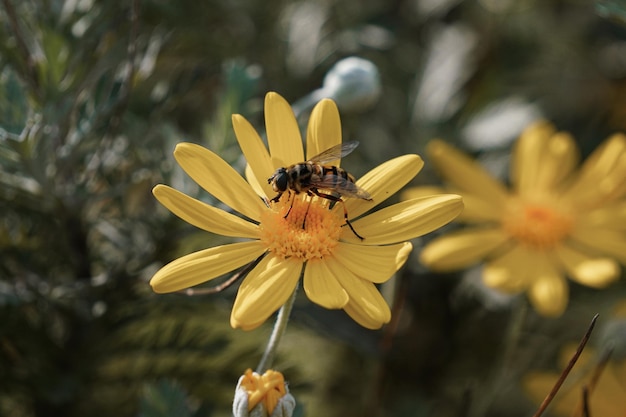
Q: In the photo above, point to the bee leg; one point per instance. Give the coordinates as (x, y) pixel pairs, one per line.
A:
(345, 211)
(307, 209)
(275, 199)
(292, 197)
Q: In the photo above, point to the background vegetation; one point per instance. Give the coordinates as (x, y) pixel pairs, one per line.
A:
(94, 96)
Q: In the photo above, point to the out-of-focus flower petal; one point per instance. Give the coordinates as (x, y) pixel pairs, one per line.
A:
(465, 173)
(462, 249)
(542, 159)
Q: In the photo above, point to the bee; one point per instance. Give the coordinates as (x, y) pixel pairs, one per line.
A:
(313, 175)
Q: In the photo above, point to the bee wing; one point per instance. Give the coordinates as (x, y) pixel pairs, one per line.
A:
(336, 152)
(341, 186)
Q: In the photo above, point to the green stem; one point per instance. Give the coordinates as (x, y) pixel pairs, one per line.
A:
(277, 333)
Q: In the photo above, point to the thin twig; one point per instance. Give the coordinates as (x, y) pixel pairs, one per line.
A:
(567, 369)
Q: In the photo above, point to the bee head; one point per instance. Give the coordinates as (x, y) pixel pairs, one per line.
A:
(279, 180)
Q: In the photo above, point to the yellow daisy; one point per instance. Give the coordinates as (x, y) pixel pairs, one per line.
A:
(555, 219)
(339, 270)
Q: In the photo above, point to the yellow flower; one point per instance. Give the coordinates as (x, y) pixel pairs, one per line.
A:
(606, 399)
(555, 219)
(260, 395)
(298, 234)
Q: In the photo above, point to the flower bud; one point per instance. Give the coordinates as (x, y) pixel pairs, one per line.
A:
(262, 396)
(353, 83)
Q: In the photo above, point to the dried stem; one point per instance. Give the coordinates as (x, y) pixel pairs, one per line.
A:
(567, 369)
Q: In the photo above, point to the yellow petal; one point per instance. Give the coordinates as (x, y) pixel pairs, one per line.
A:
(204, 216)
(461, 249)
(205, 265)
(466, 174)
(508, 272)
(321, 286)
(611, 216)
(587, 270)
(219, 179)
(324, 129)
(258, 188)
(475, 210)
(542, 159)
(264, 291)
(372, 263)
(548, 293)
(283, 133)
(384, 181)
(421, 191)
(603, 241)
(478, 210)
(256, 153)
(602, 177)
(366, 306)
(405, 220)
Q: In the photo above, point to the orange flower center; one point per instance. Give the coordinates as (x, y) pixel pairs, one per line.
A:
(539, 226)
(302, 227)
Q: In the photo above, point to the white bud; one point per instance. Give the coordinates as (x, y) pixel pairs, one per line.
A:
(353, 83)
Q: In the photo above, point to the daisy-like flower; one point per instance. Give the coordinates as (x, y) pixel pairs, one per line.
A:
(298, 235)
(555, 220)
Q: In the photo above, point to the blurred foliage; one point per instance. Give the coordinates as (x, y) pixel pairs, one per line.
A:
(94, 96)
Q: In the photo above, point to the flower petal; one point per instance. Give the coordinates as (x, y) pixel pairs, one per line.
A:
(324, 129)
(603, 241)
(475, 210)
(548, 292)
(611, 216)
(542, 158)
(204, 216)
(366, 306)
(283, 133)
(603, 175)
(508, 272)
(322, 287)
(587, 270)
(372, 263)
(405, 220)
(205, 265)
(266, 288)
(219, 179)
(384, 181)
(466, 174)
(254, 150)
(461, 249)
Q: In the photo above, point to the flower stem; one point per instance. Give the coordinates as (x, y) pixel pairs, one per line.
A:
(279, 329)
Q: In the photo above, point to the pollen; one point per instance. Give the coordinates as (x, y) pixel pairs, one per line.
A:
(301, 227)
(537, 225)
